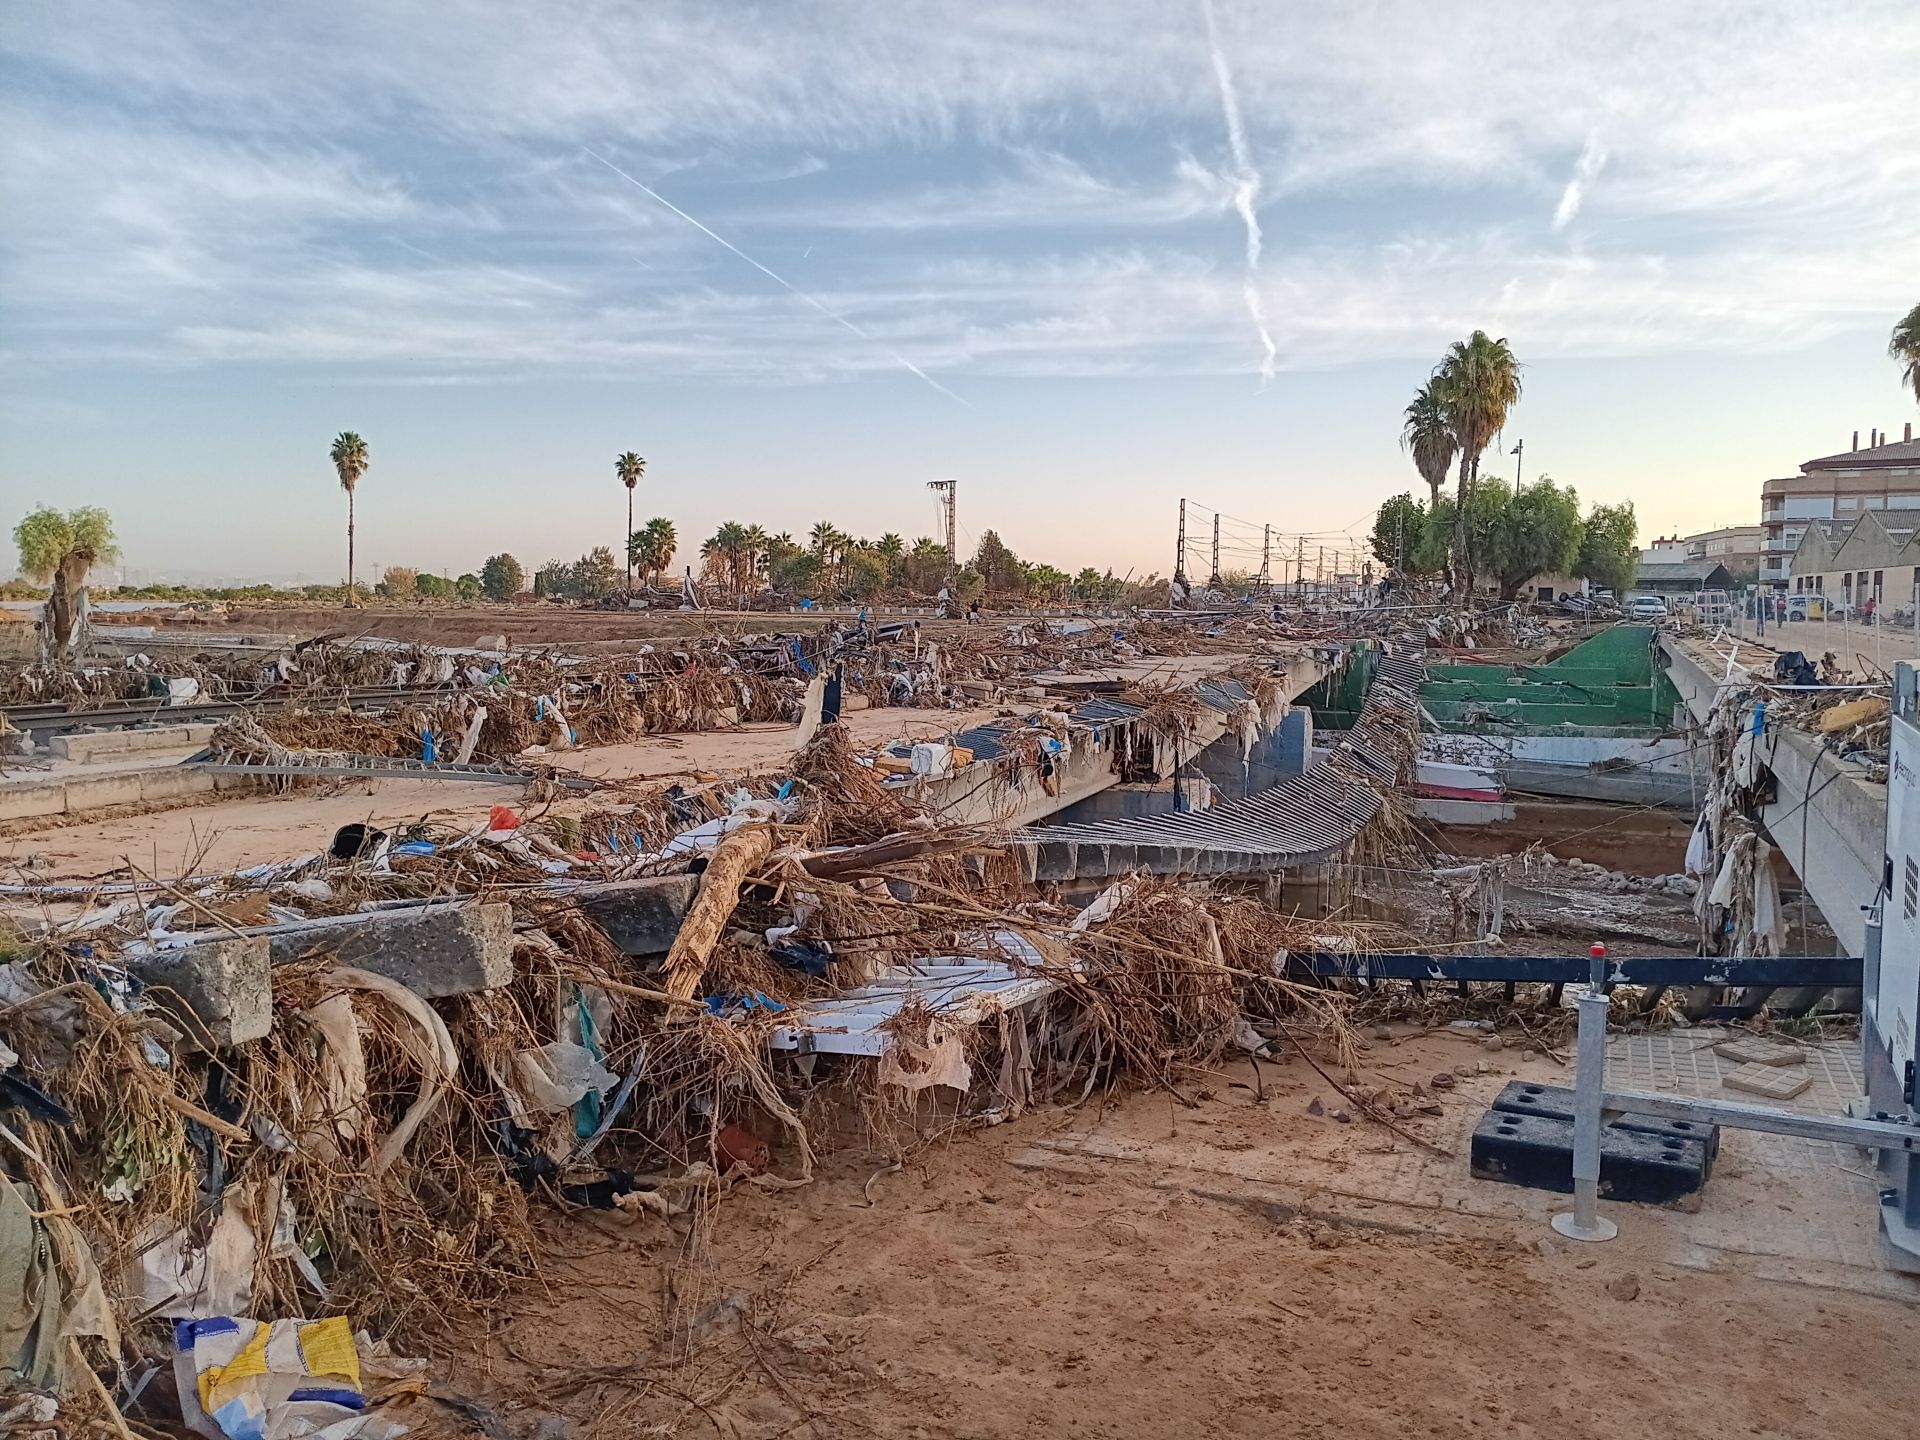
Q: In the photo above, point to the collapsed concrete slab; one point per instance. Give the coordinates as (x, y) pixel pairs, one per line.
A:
(641, 916)
(219, 992)
(434, 950)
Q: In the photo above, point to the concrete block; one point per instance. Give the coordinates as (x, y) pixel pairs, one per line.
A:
(1767, 1081)
(219, 991)
(1758, 1050)
(96, 792)
(641, 916)
(433, 950)
(171, 782)
(27, 799)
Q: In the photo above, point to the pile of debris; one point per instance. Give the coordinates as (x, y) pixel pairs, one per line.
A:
(275, 1110)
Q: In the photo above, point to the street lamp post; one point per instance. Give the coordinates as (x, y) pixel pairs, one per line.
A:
(1519, 453)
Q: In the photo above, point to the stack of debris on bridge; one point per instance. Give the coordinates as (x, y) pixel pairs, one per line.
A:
(1316, 816)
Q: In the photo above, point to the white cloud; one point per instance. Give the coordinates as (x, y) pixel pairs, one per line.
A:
(1585, 171)
(985, 187)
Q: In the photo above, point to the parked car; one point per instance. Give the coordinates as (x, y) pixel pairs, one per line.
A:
(1646, 607)
(1815, 606)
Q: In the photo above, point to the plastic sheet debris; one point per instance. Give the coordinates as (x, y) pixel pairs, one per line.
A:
(243, 1379)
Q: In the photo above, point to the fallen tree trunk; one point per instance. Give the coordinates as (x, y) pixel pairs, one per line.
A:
(738, 853)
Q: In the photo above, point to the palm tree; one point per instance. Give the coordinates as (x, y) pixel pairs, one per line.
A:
(725, 553)
(628, 468)
(650, 548)
(1905, 347)
(893, 550)
(350, 461)
(1429, 435)
(756, 540)
(1478, 384)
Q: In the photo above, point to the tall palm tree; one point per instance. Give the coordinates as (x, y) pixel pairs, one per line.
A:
(756, 542)
(1478, 385)
(350, 459)
(628, 468)
(1905, 347)
(893, 550)
(1428, 434)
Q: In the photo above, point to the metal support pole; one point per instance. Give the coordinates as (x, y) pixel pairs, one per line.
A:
(1214, 580)
(1589, 1091)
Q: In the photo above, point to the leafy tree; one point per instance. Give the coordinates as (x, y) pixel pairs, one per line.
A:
(926, 565)
(865, 573)
(1427, 432)
(468, 586)
(557, 580)
(790, 568)
(501, 577)
(350, 460)
(628, 469)
(1609, 547)
(1089, 585)
(1397, 530)
(57, 549)
(597, 573)
(996, 565)
(401, 582)
(1477, 385)
(1904, 346)
(1536, 532)
(651, 547)
(435, 587)
(894, 551)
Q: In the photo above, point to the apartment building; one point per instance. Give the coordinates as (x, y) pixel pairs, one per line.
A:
(1837, 489)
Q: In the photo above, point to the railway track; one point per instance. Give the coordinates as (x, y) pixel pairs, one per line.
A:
(58, 719)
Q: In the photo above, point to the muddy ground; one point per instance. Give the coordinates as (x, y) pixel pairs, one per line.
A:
(987, 1287)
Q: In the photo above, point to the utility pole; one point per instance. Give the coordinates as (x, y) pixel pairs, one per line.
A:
(1300, 564)
(1180, 545)
(1214, 582)
(949, 487)
(1266, 559)
(1519, 459)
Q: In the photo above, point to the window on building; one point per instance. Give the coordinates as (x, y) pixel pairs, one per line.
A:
(1878, 580)
(1809, 507)
(1845, 503)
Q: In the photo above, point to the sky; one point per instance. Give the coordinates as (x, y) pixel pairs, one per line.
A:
(807, 256)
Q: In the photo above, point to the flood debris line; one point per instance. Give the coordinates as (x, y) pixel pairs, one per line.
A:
(274, 1112)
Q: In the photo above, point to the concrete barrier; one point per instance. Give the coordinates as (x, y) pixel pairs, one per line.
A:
(89, 746)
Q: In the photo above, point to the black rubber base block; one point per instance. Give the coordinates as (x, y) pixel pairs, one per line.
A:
(1555, 1102)
(1538, 1153)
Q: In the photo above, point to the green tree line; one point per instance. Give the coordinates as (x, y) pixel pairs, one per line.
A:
(1510, 536)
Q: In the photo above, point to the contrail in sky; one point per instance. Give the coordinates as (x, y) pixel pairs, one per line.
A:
(837, 319)
(1246, 187)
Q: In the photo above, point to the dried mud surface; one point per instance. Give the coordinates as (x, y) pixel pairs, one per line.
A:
(964, 1295)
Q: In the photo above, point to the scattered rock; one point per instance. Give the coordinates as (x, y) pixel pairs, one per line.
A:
(1314, 1107)
(1624, 1287)
(1430, 1107)
(1493, 1042)
(1443, 1081)
(1342, 1116)
(1383, 1032)
(1585, 1264)
(1465, 1072)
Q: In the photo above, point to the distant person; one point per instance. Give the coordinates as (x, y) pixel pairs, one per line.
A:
(974, 616)
(1760, 607)
(1866, 610)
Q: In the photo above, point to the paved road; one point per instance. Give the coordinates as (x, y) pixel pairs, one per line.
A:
(1867, 650)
